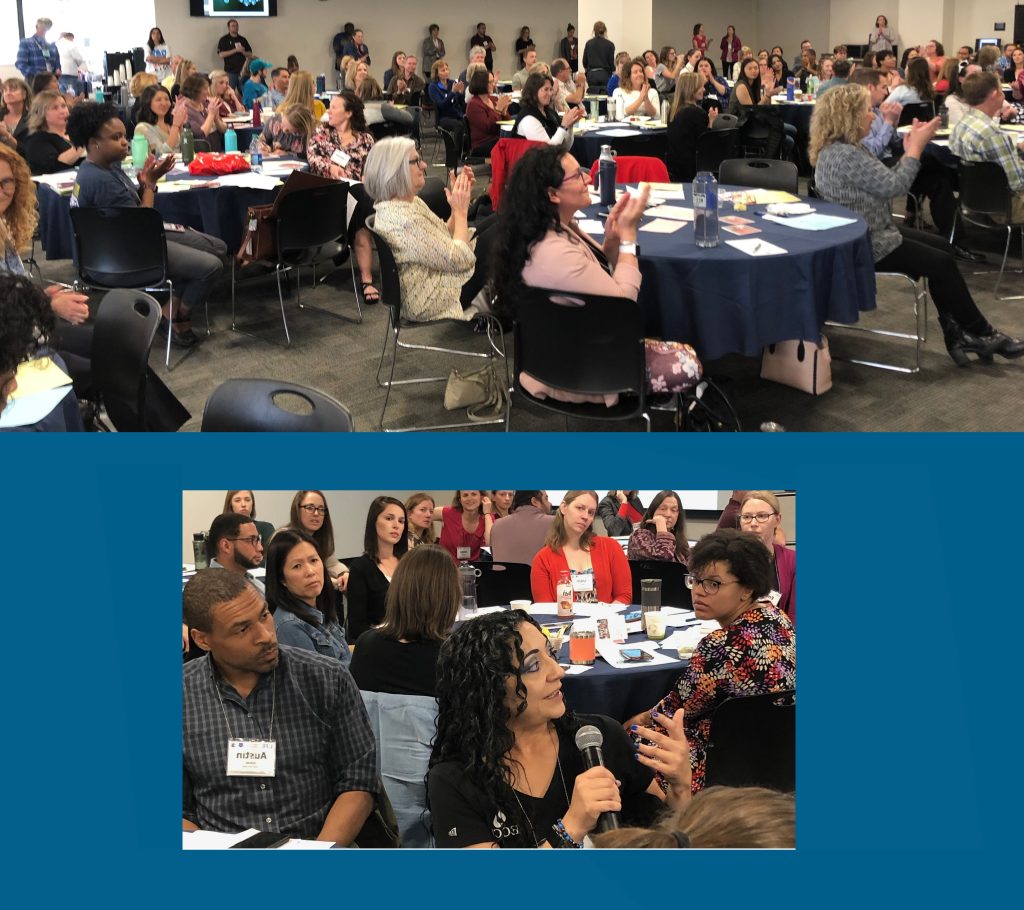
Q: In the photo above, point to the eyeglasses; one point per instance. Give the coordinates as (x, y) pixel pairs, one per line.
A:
(417, 160)
(9, 184)
(759, 517)
(708, 585)
(315, 510)
(252, 541)
(579, 172)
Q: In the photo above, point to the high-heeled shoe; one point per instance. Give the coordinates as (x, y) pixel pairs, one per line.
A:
(960, 343)
(1010, 348)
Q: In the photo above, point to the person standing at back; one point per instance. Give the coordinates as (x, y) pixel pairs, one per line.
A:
(235, 51)
(37, 55)
(570, 48)
(482, 39)
(599, 57)
(433, 50)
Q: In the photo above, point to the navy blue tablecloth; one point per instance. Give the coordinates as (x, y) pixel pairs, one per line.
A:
(723, 301)
(586, 147)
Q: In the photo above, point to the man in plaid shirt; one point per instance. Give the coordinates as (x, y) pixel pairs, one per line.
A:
(274, 738)
(35, 55)
(977, 138)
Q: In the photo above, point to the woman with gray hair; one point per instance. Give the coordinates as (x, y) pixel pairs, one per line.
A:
(439, 271)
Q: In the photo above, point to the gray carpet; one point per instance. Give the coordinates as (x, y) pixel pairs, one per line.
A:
(340, 356)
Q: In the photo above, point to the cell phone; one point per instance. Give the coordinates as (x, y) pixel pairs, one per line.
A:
(633, 615)
(635, 655)
(263, 840)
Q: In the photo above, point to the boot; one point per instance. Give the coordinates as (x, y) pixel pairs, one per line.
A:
(1005, 346)
(960, 343)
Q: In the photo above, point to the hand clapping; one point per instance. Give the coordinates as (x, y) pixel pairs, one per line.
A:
(920, 134)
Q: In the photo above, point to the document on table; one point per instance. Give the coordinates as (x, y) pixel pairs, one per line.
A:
(813, 222)
(213, 840)
(619, 133)
(298, 843)
(662, 226)
(674, 212)
(610, 651)
(250, 180)
(61, 182)
(42, 385)
(754, 247)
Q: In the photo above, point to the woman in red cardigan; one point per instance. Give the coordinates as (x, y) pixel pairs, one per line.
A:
(759, 514)
(599, 568)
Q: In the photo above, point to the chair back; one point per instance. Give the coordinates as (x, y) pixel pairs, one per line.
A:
(762, 131)
(390, 282)
(610, 330)
(752, 742)
(499, 583)
(984, 189)
(311, 217)
(504, 155)
(273, 406)
(433, 195)
(763, 173)
(404, 727)
(125, 247)
(126, 324)
(920, 110)
(726, 122)
(674, 592)
(634, 168)
(714, 146)
(452, 152)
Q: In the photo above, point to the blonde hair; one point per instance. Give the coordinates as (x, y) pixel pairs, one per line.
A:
(557, 535)
(410, 504)
(300, 90)
(300, 117)
(41, 104)
(140, 82)
(765, 496)
(687, 86)
(837, 118)
(181, 71)
(19, 222)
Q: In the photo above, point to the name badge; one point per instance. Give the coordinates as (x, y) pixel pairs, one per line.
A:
(583, 581)
(251, 758)
(463, 552)
(774, 597)
(340, 158)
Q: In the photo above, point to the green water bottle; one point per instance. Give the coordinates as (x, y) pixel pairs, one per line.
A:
(188, 144)
(140, 151)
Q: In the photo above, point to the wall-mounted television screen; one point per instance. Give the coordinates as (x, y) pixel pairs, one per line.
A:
(232, 9)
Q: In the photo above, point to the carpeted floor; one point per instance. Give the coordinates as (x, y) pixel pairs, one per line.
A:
(339, 356)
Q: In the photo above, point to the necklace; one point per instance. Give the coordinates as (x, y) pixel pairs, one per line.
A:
(565, 790)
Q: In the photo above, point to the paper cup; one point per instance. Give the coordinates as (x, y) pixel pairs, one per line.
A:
(521, 604)
(655, 621)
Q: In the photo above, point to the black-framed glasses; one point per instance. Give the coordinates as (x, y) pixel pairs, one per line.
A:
(708, 585)
(759, 517)
(252, 541)
(314, 510)
(417, 161)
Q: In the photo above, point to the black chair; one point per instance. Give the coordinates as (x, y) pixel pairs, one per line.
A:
(391, 297)
(674, 592)
(133, 395)
(714, 146)
(752, 743)
(273, 406)
(984, 196)
(310, 226)
(609, 329)
(455, 157)
(124, 248)
(762, 132)
(764, 173)
(499, 583)
(919, 110)
(434, 196)
(726, 122)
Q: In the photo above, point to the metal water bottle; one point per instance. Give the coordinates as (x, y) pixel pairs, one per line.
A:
(257, 114)
(606, 175)
(230, 140)
(468, 575)
(188, 144)
(321, 84)
(199, 550)
(705, 209)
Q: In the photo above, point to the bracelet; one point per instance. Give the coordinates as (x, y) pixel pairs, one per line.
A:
(564, 837)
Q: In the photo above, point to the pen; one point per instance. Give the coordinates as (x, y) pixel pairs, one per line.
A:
(757, 246)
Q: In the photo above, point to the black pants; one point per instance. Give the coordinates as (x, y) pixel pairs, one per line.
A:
(486, 237)
(923, 254)
(74, 342)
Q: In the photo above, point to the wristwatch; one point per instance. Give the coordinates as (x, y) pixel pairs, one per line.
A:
(630, 248)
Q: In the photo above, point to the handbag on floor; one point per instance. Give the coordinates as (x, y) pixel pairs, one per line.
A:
(479, 391)
(259, 243)
(800, 364)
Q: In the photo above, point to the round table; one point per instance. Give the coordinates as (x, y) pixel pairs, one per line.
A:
(586, 145)
(723, 301)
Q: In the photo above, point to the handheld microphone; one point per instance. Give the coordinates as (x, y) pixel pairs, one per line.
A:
(589, 740)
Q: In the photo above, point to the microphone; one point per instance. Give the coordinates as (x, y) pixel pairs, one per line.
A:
(589, 740)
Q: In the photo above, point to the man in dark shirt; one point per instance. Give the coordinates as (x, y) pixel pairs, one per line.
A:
(339, 41)
(599, 57)
(482, 39)
(248, 696)
(356, 49)
(570, 48)
(235, 51)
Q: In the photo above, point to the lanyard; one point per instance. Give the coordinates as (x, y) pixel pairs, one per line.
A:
(273, 705)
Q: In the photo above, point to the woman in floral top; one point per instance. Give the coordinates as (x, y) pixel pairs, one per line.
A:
(754, 651)
(662, 532)
(338, 149)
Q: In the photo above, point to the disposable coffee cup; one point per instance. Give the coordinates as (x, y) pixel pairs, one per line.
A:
(656, 627)
(521, 604)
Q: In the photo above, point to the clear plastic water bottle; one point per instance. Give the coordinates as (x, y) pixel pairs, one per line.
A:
(255, 156)
(705, 209)
(606, 175)
(593, 109)
(188, 144)
(468, 575)
(199, 550)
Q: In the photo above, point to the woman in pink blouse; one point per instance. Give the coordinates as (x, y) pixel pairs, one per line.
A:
(338, 149)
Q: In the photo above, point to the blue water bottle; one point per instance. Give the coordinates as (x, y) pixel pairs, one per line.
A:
(705, 209)
(790, 87)
(321, 84)
(255, 156)
(606, 176)
(230, 140)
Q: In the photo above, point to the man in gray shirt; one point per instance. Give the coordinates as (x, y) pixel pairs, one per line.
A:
(520, 535)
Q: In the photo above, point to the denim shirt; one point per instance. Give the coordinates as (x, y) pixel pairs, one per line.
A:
(328, 639)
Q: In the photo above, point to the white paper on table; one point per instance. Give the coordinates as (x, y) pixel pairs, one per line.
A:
(62, 180)
(619, 133)
(811, 222)
(634, 628)
(675, 611)
(680, 622)
(754, 247)
(213, 840)
(672, 212)
(591, 226)
(250, 180)
(577, 669)
(298, 843)
(274, 168)
(941, 143)
(616, 630)
(584, 624)
(609, 650)
(542, 609)
(598, 610)
(21, 412)
(662, 226)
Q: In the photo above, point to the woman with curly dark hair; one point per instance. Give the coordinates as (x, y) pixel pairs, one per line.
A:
(505, 770)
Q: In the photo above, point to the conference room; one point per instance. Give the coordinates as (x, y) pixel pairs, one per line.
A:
(634, 595)
(323, 347)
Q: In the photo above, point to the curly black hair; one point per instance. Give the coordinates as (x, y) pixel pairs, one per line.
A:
(473, 717)
(27, 320)
(527, 215)
(87, 119)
